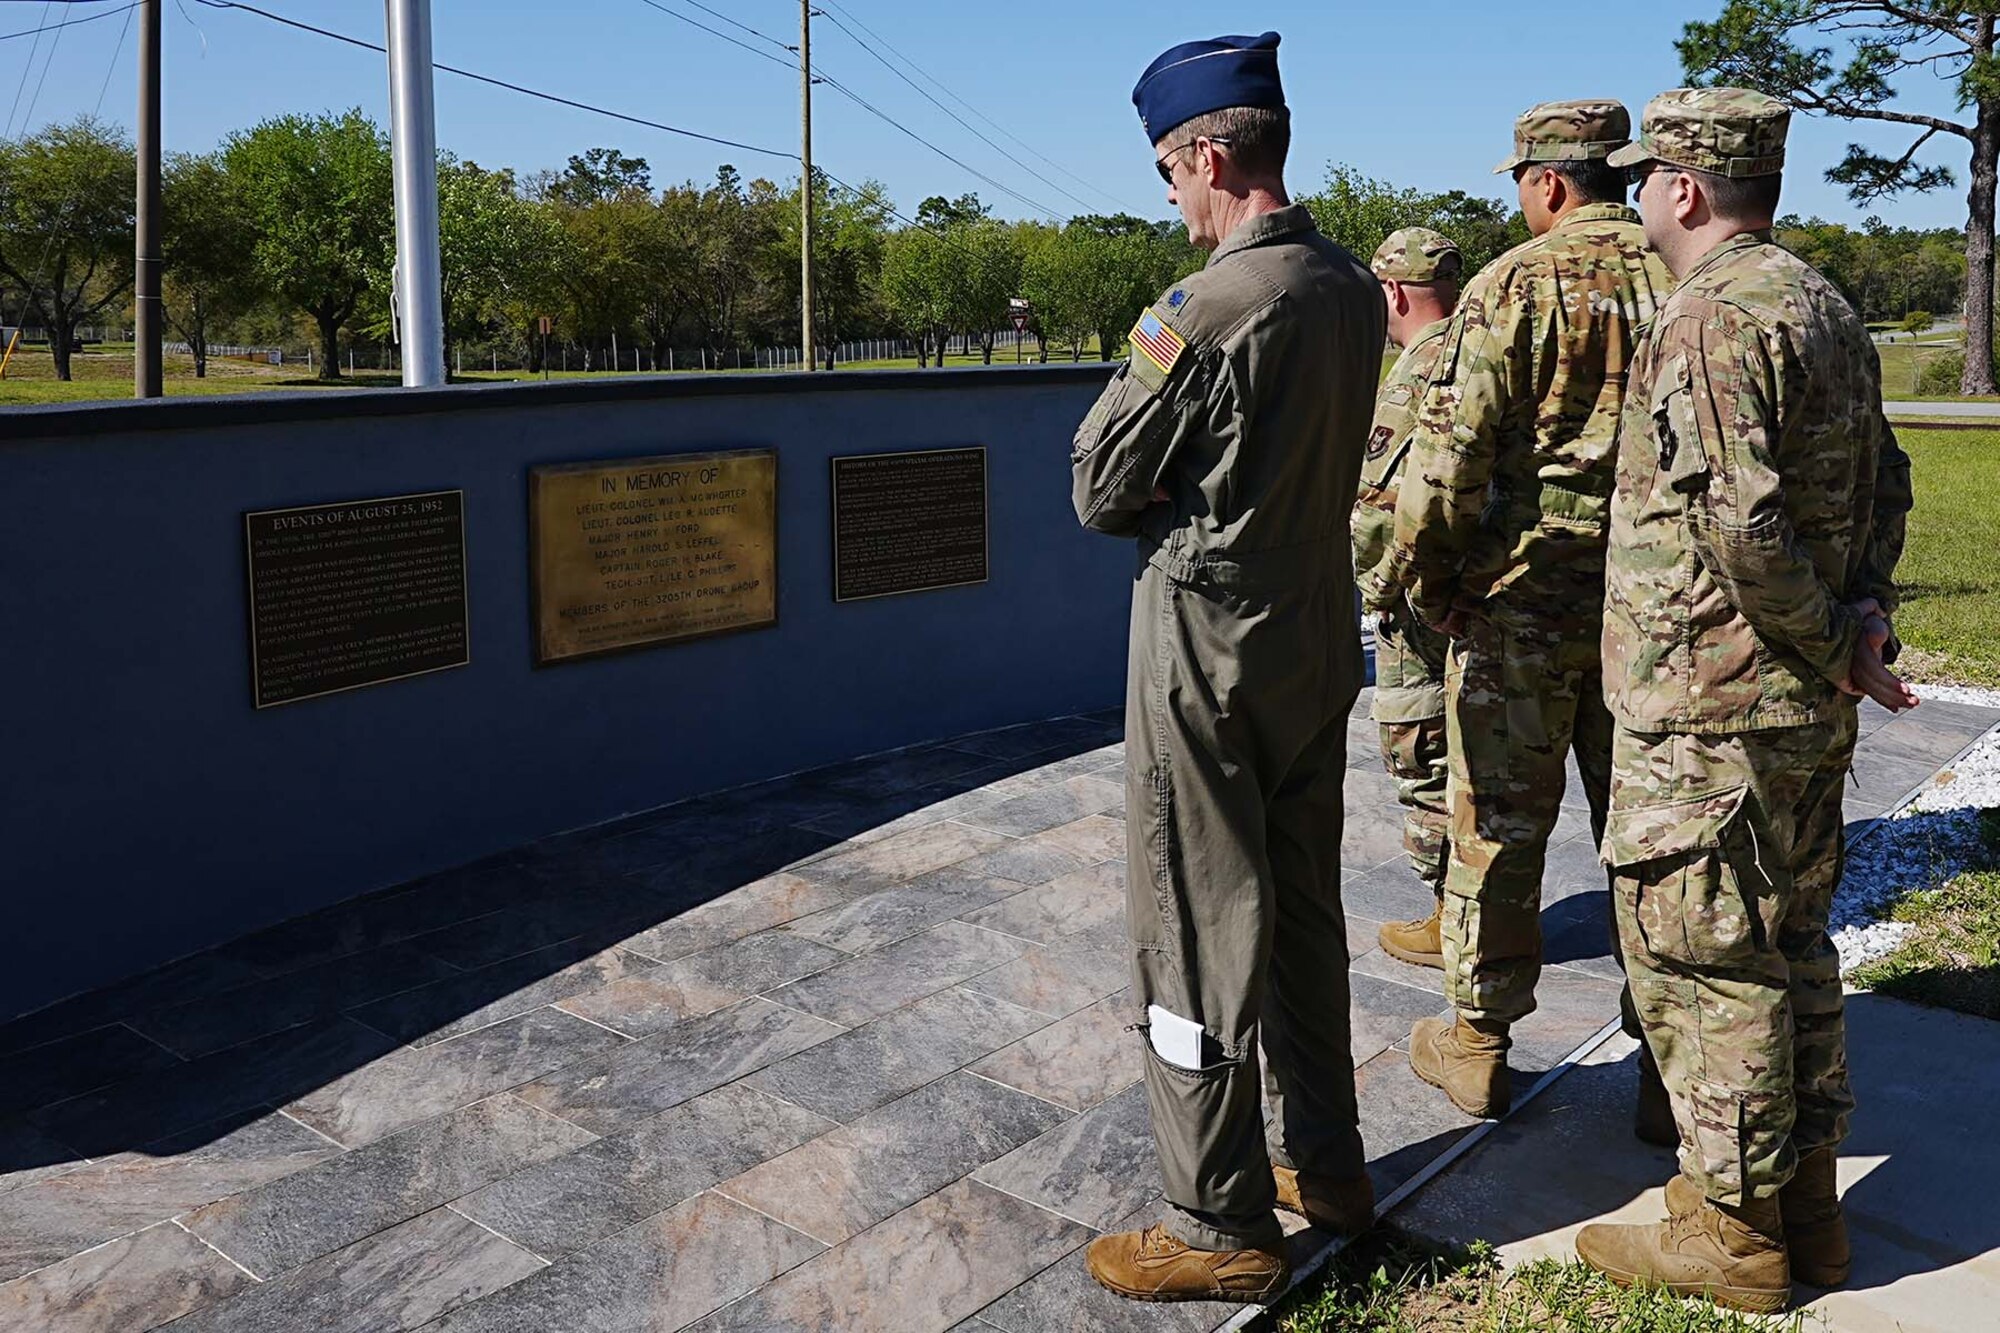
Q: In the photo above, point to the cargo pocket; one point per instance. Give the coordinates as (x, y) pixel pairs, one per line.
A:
(1738, 1136)
(1696, 871)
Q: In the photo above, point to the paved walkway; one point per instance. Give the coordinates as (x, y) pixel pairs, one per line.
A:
(1926, 411)
(841, 1051)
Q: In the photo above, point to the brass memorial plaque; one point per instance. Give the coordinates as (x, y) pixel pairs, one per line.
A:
(633, 552)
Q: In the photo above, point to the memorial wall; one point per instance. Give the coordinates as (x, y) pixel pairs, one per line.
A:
(274, 652)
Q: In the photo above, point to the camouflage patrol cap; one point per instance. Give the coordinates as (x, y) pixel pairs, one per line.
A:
(1416, 254)
(1724, 131)
(1574, 131)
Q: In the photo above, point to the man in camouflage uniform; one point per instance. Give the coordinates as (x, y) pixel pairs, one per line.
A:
(1500, 541)
(1229, 446)
(1419, 271)
(1754, 536)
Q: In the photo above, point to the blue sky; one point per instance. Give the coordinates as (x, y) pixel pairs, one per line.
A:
(1422, 95)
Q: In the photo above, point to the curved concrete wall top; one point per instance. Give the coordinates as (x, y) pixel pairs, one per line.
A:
(150, 812)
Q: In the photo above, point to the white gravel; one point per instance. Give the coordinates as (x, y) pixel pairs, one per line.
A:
(1919, 846)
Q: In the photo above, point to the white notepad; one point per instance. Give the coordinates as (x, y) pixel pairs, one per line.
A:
(1175, 1039)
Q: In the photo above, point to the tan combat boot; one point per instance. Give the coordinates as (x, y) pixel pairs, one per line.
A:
(1815, 1230)
(1735, 1256)
(1468, 1059)
(1653, 1115)
(1150, 1265)
(1418, 942)
(1344, 1207)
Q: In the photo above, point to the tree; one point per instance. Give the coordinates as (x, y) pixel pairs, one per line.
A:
(66, 205)
(1772, 45)
(1359, 212)
(990, 277)
(941, 214)
(600, 174)
(920, 274)
(486, 234)
(207, 276)
(1917, 321)
(850, 234)
(318, 191)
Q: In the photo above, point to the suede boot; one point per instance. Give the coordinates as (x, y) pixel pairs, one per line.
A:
(1815, 1230)
(1151, 1265)
(1653, 1115)
(1417, 942)
(1809, 1204)
(1734, 1255)
(1343, 1207)
(1468, 1059)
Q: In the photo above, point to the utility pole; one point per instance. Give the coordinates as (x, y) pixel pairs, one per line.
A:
(146, 312)
(810, 353)
(413, 153)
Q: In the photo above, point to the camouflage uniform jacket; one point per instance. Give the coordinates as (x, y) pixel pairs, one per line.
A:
(1396, 405)
(1510, 470)
(1245, 399)
(1759, 489)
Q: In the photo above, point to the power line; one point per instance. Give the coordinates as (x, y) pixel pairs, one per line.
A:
(782, 46)
(502, 83)
(26, 70)
(821, 76)
(28, 116)
(595, 110)
(939, 84)
(966, 167)
(962, 122)
(715, 32)
(68, 23)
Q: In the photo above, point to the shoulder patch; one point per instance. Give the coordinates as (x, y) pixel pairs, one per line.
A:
(1176, 297)
(1157, 342)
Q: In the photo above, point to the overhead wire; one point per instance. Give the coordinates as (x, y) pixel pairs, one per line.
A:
(595, 110)
(960, 120)
(26, 69)
(36, 32)
(822, 77)
(944, 88)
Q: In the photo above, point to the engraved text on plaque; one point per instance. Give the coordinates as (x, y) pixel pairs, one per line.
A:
(640, 551)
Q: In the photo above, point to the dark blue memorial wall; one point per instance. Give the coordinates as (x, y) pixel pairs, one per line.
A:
(150, 812)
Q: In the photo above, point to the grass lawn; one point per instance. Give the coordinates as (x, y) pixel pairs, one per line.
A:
(1951, 957)
(1390, 1282)
(1950, 617)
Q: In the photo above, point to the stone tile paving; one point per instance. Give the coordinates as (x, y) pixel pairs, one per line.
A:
(844, 1050)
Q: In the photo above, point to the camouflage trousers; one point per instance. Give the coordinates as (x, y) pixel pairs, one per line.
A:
(1520, 696)
(1725, 852)
(1408, 709)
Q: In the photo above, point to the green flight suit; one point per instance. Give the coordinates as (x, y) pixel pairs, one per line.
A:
(1246, 401)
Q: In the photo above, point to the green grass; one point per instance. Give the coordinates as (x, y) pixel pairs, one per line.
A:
(1391, 1282)
(1950, 618)
(1951, 959)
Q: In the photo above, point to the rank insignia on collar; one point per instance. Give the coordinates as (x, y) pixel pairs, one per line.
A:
(1152, 338)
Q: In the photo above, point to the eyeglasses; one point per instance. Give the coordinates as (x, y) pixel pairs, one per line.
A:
(1635, 175)
(1167, 172)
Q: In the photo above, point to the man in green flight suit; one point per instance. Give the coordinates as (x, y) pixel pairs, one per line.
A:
(1755, 531)
(1419, 271)
(1229, 446)
(1499, 541)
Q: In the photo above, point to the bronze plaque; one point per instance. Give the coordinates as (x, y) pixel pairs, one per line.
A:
(908, 522)
(639, 551)
(355, 593)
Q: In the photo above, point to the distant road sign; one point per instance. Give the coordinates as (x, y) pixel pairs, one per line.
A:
(546, 324)
(1020, 320)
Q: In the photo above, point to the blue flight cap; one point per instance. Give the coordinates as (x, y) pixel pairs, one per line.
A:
(1195, 78)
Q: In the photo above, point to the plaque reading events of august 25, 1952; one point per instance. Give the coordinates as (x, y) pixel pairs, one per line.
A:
(908, 522)
(632, 552)
(354, 593)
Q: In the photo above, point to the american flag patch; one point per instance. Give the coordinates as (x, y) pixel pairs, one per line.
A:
(1160, 344)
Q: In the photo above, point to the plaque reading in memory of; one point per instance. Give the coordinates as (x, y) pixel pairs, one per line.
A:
(356, 593)
(908, 522)
(633, 552)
